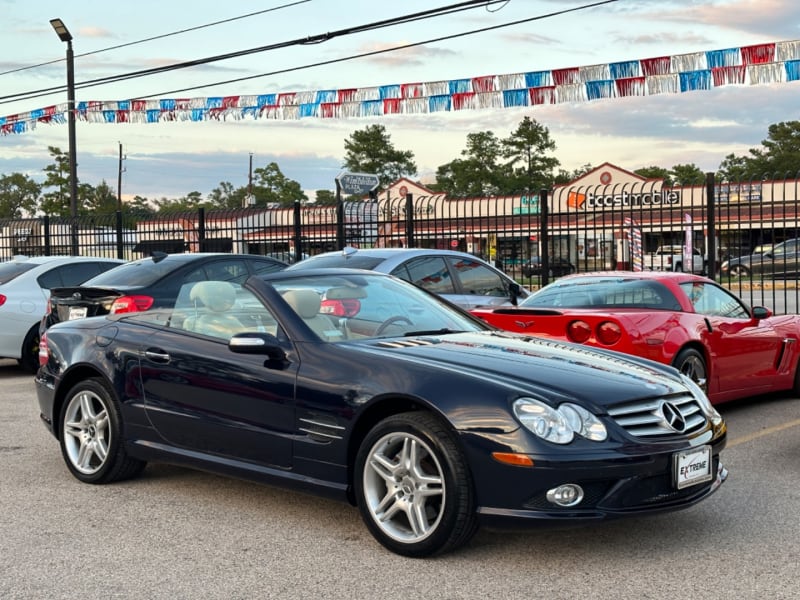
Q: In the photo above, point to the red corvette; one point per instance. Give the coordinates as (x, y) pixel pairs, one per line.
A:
(679, 319)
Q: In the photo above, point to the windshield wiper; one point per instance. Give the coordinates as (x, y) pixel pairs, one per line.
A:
(441, 331)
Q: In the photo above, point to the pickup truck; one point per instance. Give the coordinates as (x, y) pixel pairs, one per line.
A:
(670, 258)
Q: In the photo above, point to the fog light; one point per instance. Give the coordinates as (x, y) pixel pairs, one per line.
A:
(568, 494)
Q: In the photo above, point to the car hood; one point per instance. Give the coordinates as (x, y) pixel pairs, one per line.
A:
(524, 363)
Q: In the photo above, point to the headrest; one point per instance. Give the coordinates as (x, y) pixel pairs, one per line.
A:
(305, 302)
(218, 296)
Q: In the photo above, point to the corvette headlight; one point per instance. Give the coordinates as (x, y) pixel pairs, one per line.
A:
(705, 404)
(558, 425)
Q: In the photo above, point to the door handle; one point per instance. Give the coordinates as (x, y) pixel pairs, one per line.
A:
(158, 356)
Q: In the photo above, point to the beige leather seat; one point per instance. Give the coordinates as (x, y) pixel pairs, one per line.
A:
(212, 300)
(306, 303)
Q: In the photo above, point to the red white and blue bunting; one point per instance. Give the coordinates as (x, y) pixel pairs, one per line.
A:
(777, 62)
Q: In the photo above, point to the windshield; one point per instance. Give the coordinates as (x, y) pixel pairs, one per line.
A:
(340, 307)
(604, 292)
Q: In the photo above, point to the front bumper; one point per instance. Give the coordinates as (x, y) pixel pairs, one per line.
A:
(625, 480)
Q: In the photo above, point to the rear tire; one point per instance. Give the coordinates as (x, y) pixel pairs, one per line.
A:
(29, 353)
(413, 487)
(90, 433)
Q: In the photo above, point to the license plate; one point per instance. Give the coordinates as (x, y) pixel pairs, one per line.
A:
(77, 312)
(692, 467)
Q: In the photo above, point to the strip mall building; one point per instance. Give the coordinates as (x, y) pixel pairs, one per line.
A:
(594, 219)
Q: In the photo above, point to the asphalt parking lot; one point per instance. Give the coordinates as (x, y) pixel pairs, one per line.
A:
(176, 533)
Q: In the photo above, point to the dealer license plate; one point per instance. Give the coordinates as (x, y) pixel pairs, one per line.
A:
(77, 312)
(692, 467)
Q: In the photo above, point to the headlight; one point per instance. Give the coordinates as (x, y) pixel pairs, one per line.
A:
(724, 266)
(705, 404)
(558, 425)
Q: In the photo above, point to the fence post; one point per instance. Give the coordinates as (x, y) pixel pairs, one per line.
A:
(711, 226)
(339, 217)
(120, 241)
(544, 236)
(48, 248)
(298, 233)
(201, 228)
(410, 243)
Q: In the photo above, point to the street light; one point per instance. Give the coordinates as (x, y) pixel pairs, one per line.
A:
(65, 36)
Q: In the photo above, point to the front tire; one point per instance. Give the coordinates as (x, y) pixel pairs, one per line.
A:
(691, 363)
(413, 488)
(90, 433)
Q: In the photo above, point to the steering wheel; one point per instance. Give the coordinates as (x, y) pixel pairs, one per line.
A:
(391, 320)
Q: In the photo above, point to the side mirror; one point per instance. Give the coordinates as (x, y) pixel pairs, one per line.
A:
(257, 343)
(761, 312)
(514, 291)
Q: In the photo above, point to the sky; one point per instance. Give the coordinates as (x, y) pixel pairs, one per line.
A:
(170, 160)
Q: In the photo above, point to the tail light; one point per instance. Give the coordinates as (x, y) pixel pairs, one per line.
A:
(579, 331)
(127, 304)
(2, 299)
(43, 354)
(345, 307)
(609, 333)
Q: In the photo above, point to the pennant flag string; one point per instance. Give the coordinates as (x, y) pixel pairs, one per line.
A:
(777, 62)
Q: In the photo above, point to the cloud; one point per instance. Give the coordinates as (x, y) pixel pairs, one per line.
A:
(415, 56)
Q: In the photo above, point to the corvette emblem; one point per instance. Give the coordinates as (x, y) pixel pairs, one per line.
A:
(523, 324)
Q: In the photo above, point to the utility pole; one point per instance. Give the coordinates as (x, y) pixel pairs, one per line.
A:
(249, 200)
(120, 171)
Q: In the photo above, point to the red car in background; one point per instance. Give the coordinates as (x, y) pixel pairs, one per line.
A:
(688, 321)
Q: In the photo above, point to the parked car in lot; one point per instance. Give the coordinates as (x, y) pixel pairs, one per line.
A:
(557, 267)
(427, 419)
(461, 278)
(782, 260)
(688, 321)
(24, 286)
(152, 282)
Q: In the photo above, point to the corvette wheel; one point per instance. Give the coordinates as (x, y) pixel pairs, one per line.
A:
(91, 435)
(413, 488)
(692, 364)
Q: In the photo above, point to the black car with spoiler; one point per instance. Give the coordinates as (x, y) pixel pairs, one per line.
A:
(149, 283)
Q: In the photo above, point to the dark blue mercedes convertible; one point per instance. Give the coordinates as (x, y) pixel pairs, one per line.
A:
(364, 387)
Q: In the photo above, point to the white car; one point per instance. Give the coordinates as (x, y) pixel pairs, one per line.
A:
(461, 278)
(25, 284)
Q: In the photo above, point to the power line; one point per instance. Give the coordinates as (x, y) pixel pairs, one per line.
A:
(381, 51)
(314, 39)
(158, 37)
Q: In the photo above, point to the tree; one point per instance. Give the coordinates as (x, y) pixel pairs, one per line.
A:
(325, 198)
(688, 174)
(19, 195)
(654, 172)
(564, 176)
(56, 202)
(526, 151)
(779, 156)
(226, 196)
(191, 201)
(733, 168)
(370, 150)
(100, 200)
(271, 186)
(479, 172)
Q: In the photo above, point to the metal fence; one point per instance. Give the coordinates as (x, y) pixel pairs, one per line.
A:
(590, 228)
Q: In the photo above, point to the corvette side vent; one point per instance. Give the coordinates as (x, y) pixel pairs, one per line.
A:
(660, 417)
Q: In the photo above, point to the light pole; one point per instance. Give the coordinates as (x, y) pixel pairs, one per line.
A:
(65, 36)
